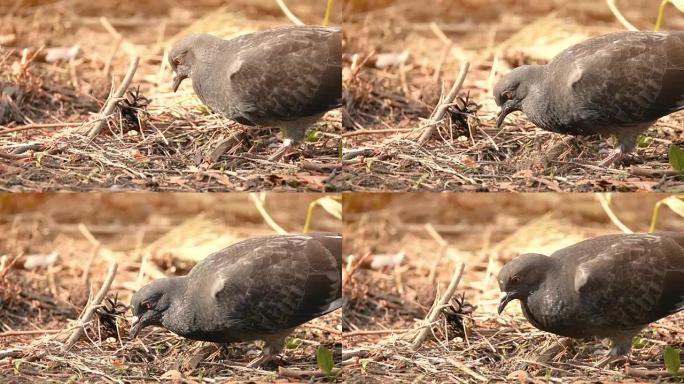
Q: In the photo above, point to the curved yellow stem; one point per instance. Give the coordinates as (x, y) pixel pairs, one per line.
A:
(328, 11)
(661, 11)
(654, 216)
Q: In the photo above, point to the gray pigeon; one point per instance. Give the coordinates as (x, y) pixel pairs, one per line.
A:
(284, 77)
(618, 84)
(609, 286)
(257, 289)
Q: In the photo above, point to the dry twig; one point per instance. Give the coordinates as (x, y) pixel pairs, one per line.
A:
(444, 105)
(115, 98)
(436, 308)
(92, 307)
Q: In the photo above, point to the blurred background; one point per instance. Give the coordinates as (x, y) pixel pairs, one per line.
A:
(55, 250)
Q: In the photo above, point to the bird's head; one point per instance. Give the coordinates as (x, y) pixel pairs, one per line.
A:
(512, 89)
(186, 53)
(151, 301)
(522, 276)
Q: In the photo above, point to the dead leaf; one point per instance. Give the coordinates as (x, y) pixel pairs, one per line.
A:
(381, 261)
(519, 375)
(61, 53)
(40, 261)
(383, 60)
(172, 375)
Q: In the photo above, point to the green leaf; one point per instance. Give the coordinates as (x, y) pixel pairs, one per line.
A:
(638, 342)
(203, 109)
(364, 365)
(324, 359)
(676, 157)
(292, 342)
(312, 136)
(643, 141)
(672, 362)
(17, 366)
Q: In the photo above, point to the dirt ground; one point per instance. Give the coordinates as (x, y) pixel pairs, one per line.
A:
(400, 247)
(156, 140)
(162, 234)
(398, 55)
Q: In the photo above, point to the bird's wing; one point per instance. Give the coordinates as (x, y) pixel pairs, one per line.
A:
(286, 73)
(642, 74)
(274, 283)
(631, 280)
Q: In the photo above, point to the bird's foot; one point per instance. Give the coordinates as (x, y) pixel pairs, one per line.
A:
(286, 149)
(610, 360)
(554, 350)
(612, 159)
(264, 359)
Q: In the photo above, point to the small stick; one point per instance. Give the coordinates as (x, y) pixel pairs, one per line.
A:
(646, 172)
(374, 332)
(435, 310)
(38, 126)
(619, 17)
(31, 332)
(259, 204)
(649, 373)
(108, 65)
(88, 314)
(289, 13)
(466, 369)
(319, 167)
(603, 200)
(376, 131)
(114, 100)
(303, 374)
(441, 109)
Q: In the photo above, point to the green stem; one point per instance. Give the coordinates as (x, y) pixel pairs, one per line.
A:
(661, 11)
(328, 10)
(654, 217)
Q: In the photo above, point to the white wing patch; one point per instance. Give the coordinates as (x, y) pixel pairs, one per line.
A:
(581, 277)
(217, 286)
(575, 75)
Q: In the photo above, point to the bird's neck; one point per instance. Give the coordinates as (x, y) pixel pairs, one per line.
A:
(541, 107)
(550, 307)
(177, 318)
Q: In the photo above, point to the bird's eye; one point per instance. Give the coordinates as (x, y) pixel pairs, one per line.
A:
(508, 95)
(515, 279)
(147, 305)
(177, 61)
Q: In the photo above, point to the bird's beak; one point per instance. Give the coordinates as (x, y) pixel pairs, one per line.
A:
(506, 297)
(507, 108)
(136, 325)
(177, 80)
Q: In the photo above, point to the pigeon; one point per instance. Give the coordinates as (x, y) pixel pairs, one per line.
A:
(610, 286)
(618, 84)
(286, 77)
(257, 289)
